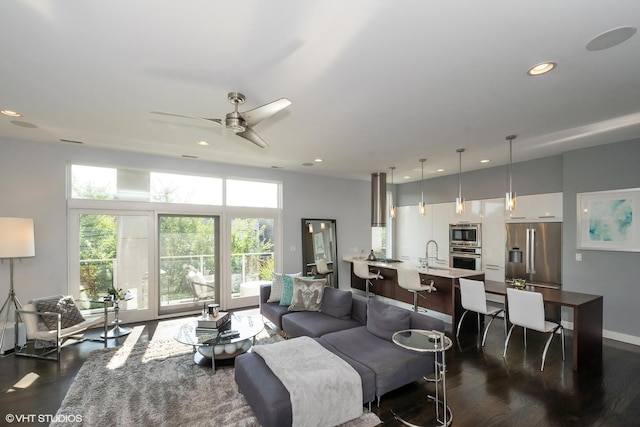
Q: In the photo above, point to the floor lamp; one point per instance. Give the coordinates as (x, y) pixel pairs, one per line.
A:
(16, 241)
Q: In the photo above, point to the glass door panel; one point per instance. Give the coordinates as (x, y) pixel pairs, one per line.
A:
(110, 254)
(252, 259)
(188, 265)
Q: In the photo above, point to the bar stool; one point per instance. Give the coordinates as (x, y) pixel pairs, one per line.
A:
(323, 268)
(361, 269)
(410, 280)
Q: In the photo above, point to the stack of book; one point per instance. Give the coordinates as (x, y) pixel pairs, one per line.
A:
(209, 324)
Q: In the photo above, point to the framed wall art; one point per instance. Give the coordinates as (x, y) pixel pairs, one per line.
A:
(607, 220)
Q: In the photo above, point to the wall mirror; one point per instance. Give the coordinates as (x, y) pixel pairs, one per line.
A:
(319, 244)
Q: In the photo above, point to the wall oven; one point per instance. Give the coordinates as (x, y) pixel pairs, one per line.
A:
(465, 257)
(464, 235)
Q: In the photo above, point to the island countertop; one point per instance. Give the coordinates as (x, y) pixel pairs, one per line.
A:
(445, 272)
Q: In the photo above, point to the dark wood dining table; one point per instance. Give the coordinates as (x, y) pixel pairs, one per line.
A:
(587, 319)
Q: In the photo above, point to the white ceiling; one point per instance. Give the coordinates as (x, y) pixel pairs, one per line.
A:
(373, 84)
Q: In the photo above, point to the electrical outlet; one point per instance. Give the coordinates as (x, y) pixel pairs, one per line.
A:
(578, 257)
(292, 248)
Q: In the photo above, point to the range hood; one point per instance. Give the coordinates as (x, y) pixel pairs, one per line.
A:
(379, 199)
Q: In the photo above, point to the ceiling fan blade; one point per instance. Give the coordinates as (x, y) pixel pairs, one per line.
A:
(164, 113)
(255, 116)
(250, 135)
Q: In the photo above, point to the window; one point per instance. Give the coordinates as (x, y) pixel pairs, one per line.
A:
(252, 194)
(200, 258)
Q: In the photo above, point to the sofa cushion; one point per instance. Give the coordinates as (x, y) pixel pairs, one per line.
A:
(384, 319)
(276, 287)
(313, 324)
(393, 365)
(69, 313)
(307, 294)
(337, 303)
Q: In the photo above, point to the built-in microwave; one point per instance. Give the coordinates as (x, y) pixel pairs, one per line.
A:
(464, 235)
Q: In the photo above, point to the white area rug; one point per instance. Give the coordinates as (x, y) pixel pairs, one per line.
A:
(157, 384)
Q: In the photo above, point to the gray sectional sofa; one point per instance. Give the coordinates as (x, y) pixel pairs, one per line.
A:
(356, 329)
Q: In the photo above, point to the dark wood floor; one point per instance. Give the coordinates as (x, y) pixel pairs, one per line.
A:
(483, 388)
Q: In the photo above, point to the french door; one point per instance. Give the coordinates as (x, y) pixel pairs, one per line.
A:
(109, 251)
(188, 266)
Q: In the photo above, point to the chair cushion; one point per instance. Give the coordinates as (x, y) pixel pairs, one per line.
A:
(337, 303)
(384, 319)
(307, 294)
(69, 313)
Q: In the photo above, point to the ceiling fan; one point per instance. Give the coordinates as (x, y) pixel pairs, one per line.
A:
(242, 122)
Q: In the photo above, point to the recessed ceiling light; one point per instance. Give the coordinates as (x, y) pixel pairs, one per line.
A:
(317, 160)
(202, 143)
(541, 68)
(611, 38)
(440, 170)
(485, 161)
(407, 177)
(307, 164)
(10, 113)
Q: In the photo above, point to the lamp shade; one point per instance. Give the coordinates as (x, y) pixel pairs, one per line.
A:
(16, 238)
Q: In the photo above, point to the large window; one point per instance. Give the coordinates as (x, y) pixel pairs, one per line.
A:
(216, 239)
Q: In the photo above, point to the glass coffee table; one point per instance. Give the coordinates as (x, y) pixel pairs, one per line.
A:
(209, 347)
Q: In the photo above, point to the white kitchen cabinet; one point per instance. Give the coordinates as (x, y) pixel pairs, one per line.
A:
(441, 212)
(537, 207)
(493, 272)
(412, 232)
(472, 213)
(494, 235)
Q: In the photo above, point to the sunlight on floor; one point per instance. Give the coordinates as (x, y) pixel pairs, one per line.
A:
(25, 382)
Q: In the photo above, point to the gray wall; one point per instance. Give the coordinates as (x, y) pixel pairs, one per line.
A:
(34, 185)
(615, 275)
(532, 177)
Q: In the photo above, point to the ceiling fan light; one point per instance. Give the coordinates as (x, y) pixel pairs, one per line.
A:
(234, 124)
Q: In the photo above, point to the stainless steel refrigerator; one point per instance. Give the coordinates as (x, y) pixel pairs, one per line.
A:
(534, 252)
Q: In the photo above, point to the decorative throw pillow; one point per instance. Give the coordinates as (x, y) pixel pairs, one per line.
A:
(276, 286)
(337, 303)
(66, 306)
(286, 289)
(383, 320)
(307, 294)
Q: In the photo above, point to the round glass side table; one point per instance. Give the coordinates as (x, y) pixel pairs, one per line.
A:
(429, 342)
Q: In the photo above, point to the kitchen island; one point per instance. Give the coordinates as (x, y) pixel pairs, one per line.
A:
(444, 279)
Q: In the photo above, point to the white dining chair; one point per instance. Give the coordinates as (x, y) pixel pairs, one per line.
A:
(526, 309)
(323, 268)
(474, 298)
(410, 280)
(361, 269)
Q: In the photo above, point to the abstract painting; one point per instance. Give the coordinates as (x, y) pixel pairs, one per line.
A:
(606, 220)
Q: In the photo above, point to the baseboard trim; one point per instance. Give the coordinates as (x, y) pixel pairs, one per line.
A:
(616, 336)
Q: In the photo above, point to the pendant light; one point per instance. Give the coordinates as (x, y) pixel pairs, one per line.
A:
(510, 198)
(422, 207)
(392, 209)
(459, 199)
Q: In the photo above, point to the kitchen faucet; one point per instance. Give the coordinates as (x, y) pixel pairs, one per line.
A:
(427, 251)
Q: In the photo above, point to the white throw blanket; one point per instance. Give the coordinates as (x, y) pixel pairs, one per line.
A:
(325, 390)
